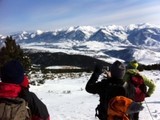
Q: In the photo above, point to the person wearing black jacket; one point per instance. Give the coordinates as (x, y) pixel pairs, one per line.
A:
(15, 84)
(103, 88)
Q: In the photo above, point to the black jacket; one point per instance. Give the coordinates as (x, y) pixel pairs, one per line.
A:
(104, 90)
(38, 108)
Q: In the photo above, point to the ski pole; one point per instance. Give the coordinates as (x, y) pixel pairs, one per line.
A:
(149, 110)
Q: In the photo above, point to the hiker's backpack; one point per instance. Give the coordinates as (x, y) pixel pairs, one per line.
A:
(14, 109)
(136, 87)
(111, 91)
(121, 107)
(118, 107)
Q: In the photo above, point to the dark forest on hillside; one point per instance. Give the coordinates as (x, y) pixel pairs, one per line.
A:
(61, 59)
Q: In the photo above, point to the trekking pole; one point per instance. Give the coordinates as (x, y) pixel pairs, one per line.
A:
(148, 110)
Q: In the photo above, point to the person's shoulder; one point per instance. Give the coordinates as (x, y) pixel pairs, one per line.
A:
(132, 72)
(28, 95)
(32, 94)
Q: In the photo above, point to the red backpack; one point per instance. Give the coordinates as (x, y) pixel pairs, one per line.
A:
(137, 88)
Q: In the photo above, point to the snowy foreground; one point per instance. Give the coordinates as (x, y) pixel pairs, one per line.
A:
(67, 99)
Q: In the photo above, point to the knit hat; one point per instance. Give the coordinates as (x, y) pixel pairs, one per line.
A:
(12, 72)
(133, 64)
(117, 70)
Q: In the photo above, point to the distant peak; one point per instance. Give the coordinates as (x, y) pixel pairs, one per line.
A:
(141, 26)
(82, 28)
(70, 29)
(39, 32)
(146, 25)
(24, 32)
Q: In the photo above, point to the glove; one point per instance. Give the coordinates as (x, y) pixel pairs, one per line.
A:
(147, 95)
(98, 69)
(134, 108)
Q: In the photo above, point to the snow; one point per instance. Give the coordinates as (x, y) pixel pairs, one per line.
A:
(147, 56)
(87, 30)
(95, 45)
(70, 29)
(115, 27)
(39, 32)
(24, 32)
(146, 25)
(33, 35)
(95, 48)
(131, 27)
(141, 26)
(66, 99)
(62, 67)
(118, 36)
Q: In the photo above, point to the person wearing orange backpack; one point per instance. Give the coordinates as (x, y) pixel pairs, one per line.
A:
(15, 85)
(106, 88)
(110, 88)
(137, 85)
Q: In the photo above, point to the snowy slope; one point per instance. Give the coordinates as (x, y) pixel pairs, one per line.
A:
(67, 99)
(101, 50)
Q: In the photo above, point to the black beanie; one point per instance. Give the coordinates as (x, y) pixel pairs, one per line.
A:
(12, 72)
(117, 70)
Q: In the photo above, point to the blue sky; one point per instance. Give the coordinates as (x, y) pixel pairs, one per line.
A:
(30, 15)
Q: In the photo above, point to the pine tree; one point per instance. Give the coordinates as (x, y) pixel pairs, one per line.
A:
(13, 51)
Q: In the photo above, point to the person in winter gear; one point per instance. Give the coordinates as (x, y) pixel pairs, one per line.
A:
(102, 87)
(15, 84)
(133, 64)
(131, 71)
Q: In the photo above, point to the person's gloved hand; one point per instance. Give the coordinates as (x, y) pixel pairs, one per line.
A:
(98, 69)
(134, 107)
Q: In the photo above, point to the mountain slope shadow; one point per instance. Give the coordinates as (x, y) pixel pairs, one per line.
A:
(125, 54)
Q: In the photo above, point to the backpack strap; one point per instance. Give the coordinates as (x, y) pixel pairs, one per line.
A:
(13, 100)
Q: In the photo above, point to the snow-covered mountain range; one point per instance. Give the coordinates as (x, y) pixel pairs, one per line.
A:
(140, 42)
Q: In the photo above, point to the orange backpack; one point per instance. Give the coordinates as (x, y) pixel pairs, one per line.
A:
(118, 107)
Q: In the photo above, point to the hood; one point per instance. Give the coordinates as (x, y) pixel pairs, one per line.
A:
(9, 90)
